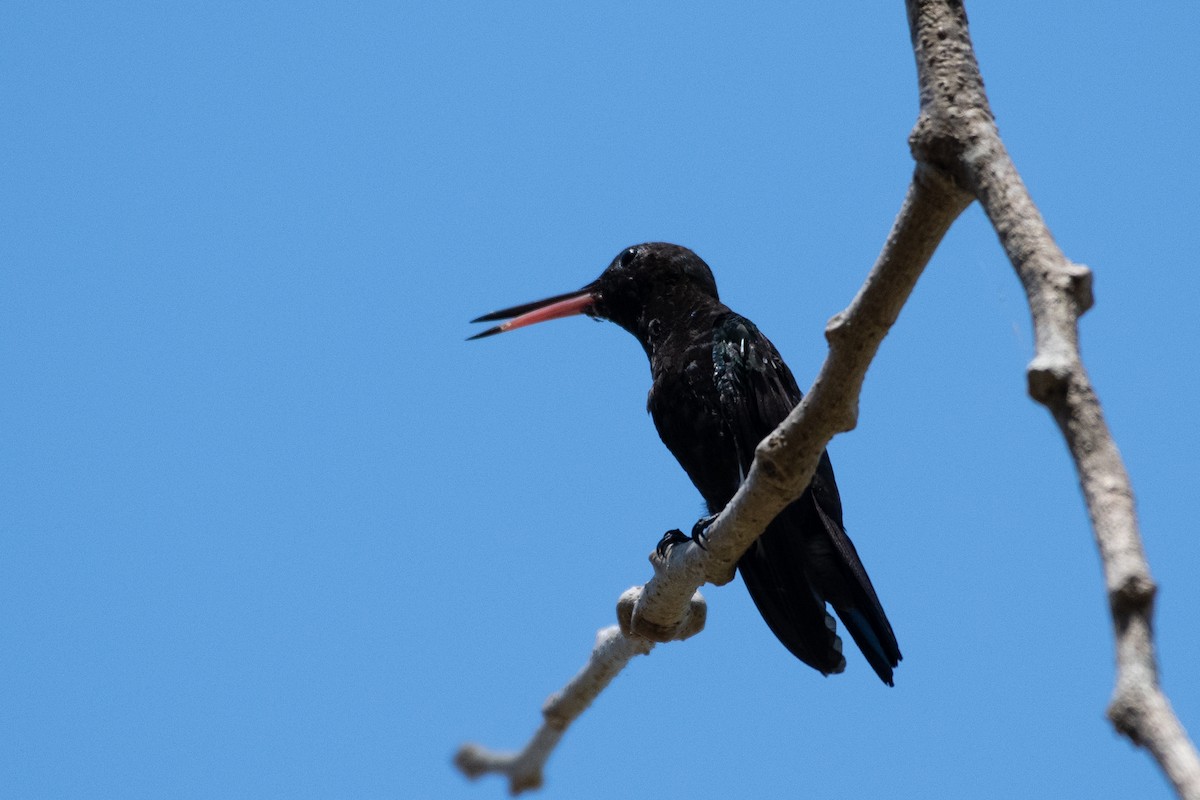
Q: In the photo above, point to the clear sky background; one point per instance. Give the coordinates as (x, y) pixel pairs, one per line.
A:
(271, 528)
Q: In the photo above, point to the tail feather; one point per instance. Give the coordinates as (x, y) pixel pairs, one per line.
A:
(802, 561)
(854, 599)
(788, 602)
(882, 659)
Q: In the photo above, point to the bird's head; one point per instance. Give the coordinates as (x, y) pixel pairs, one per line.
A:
(645, 283)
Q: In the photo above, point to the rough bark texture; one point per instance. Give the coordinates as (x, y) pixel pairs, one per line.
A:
(957, 134)
(669, 606)
(960, 158)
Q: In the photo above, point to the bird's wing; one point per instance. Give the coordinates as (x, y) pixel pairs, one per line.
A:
(755, 391)
(804, 558)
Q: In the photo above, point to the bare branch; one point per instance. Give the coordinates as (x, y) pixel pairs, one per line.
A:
(524, 769)
(785, 461)
(669, 606)
(960, 157)
(957, 133)
(613, 650)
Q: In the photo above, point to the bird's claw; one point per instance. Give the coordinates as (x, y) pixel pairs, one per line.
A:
(676, 536)
(700, 530)
(668, 540)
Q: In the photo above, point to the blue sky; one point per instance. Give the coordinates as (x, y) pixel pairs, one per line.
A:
(271, 528)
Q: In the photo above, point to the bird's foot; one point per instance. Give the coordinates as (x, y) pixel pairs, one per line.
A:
(700, 530)
(676, 536)
(669, 540)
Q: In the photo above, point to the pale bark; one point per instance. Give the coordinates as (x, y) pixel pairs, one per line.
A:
(960, 158)
(957, 133)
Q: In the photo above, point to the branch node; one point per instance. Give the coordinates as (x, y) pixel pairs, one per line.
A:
(765, 461)
(838, 327)
(1126, 712)
(635, 625)
(933, 144)
(625, 605)
(718, 573)
(1079, 279)
(470, 761)
(1048, 376)
(1136, 591)
(475, 761)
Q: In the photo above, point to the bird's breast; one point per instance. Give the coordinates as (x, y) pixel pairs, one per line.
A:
(683, 402)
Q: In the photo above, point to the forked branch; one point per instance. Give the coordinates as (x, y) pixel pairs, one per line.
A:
(960, 157)
(957, 133)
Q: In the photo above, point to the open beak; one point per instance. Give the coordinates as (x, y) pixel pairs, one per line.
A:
(561, 305)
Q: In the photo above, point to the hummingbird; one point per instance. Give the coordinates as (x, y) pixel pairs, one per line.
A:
(718, 388)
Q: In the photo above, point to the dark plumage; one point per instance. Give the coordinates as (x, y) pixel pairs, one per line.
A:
(719, 388)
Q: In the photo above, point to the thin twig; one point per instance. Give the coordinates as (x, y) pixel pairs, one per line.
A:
(523, 769)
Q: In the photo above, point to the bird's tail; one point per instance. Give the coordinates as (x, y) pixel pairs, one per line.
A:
(855, 601)
(773, 569)
(799, 564)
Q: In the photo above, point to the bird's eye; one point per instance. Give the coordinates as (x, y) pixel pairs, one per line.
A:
(628, 256)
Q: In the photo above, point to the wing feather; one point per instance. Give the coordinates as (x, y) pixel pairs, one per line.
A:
(804, 558)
